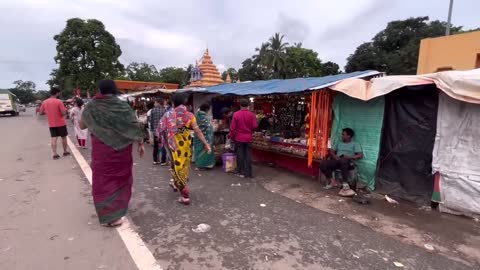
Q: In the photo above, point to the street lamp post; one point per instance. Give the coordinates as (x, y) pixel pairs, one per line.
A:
(449, 21)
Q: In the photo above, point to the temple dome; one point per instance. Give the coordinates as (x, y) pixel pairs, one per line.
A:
(206, 73)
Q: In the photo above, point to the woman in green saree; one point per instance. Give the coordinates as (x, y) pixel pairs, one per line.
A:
(204, 160)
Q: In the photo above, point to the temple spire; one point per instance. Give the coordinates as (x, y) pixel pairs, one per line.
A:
(209, 74)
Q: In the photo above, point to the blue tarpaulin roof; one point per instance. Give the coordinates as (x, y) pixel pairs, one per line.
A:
(283, 86)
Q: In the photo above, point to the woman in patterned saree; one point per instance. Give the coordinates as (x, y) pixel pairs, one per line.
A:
(174, 128)
(114, 129)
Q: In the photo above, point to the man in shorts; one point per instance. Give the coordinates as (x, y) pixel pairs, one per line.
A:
(56, 112)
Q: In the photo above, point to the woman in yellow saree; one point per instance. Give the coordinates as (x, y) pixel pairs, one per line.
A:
(174, 128)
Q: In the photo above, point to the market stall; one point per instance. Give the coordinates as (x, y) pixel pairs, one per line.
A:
(281, 137)
(429, 138)
(294, 117)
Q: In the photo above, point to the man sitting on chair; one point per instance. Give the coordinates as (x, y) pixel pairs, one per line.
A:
(342, 154)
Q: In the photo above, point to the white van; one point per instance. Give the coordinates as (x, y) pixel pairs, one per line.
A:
(8, 103)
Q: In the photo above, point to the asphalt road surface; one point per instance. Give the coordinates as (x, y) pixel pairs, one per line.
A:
(47, 220)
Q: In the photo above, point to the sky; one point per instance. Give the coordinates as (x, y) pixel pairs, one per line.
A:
(176, 32)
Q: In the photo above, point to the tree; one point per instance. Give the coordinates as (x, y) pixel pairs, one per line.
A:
(250, 70)
(262, 59)
(174, 75)
(24, 90)
(86, 53)
(233, 74)
(142, 72)
(188, 72)
(330, 68)
(301, 62)
(42, 95)
(395, 49)
(276, 59)
(277, 54)
(25, 85)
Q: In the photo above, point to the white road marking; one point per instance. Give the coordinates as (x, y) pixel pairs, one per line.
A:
(139, 252)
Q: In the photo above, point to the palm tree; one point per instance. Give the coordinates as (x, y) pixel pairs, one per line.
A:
(262, 59)
(277, 54)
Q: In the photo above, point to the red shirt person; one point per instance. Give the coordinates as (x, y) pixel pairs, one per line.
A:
(243, 124)
(56, 112)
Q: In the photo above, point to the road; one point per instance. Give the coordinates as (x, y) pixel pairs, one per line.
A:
(48, 220)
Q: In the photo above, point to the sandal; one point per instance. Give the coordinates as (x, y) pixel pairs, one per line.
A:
(184, 201)
(113, 224)
(333, 184)
(55, 157)
(172, 185)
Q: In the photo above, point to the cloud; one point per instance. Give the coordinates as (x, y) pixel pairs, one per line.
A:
(176, 32)
(294, 29)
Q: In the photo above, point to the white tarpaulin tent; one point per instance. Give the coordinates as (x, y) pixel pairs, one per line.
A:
(456, 154)
(461, 85)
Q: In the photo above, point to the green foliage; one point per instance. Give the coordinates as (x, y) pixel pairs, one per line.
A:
(26, 93)
(142, 72)
(25, 85)
(24, 90)
(470, 30)
(301, 62)
(149, 73)
(275, 59)
(233, 74)
(186, 79)
(330, 68)
(277, 55)
(251, 70)
(42, 95)
(86, 53)
(395, 49)
(175, 75)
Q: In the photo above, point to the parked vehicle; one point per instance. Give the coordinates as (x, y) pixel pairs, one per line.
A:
(8, 103)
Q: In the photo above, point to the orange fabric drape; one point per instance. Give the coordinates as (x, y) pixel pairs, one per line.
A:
(320, 114)
(311, 136)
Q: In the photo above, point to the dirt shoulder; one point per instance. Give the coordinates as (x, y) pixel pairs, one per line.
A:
(457, 238)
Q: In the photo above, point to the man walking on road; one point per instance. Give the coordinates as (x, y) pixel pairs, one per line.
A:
(156, 114)
(56, 112)
(244, 122)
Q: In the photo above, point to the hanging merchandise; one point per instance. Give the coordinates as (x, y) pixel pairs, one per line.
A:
(307, 122)
(311, 136)
(279, 132)
(320, 114)
(267, 108)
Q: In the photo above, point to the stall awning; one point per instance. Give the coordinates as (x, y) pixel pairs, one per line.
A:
(282, 86)
(152, 91)
(460, 85)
